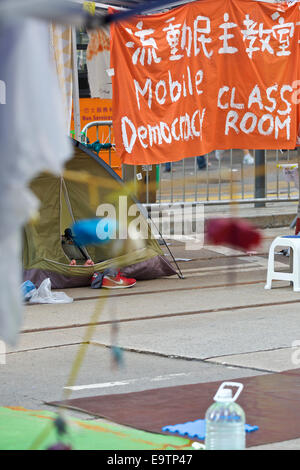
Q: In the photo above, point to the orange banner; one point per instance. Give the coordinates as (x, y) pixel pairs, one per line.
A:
(212, 74)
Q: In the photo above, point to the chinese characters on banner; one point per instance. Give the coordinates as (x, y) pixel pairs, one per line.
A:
(209, 75)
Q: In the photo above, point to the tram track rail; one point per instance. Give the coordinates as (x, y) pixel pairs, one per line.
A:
(169, 315)
(227, 269)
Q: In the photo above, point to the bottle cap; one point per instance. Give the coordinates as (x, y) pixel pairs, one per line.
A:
(225, 394)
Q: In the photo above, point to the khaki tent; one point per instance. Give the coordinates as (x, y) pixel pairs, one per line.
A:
(65, 200)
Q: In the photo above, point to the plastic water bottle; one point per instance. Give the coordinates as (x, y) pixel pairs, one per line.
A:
(225, 420)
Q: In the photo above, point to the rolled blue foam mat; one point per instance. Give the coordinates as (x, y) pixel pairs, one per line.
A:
(196, 429)
(94, 231)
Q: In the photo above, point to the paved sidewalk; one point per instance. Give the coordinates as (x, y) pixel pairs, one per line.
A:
(218, 323)
(274, 214)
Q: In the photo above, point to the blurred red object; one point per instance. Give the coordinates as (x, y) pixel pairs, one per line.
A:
(231, 232)
(297, 228)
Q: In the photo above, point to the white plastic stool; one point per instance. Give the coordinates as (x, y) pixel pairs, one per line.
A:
(293, 242)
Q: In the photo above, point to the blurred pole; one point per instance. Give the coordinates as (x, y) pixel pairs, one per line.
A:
(76, 105)
(260, 177)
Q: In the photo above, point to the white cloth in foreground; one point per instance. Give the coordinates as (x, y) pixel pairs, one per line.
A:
(33, 138)
(61, 43)
(98, 62)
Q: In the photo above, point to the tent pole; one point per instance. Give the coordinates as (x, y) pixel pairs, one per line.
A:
(76, 105)
(179, 273)
(147, 215)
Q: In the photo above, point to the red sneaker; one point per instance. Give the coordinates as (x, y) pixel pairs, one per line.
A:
(117, 282)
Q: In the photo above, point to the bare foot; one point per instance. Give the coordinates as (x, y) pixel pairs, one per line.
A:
(73, 262)
(89, 262)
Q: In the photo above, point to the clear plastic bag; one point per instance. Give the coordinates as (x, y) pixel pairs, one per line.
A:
(43, 295)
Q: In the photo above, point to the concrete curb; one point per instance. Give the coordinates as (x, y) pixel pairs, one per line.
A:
(262, 221)
(265, 221)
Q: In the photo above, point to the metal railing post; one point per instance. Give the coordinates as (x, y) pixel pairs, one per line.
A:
(260, 177)
(76, 100)
(298, 158)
